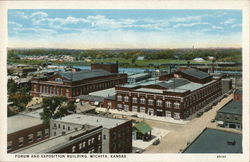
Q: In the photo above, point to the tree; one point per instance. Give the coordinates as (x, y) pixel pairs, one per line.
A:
(12, 86)
(55, 107)
(20, 99)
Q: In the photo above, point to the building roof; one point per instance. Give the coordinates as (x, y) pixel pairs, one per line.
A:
(216, 141)
(139, 75)
(19, 122)
(92, 120)
(173, 83)
(150, 90)
(111, 97)
(142, 127)
(85, 74)
(196, 73)
(91, 98)
(232, 107)
(238, 91)
(104, 93)
(83, 107)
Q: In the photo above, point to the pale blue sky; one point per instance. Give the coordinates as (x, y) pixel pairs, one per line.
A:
(88, 29)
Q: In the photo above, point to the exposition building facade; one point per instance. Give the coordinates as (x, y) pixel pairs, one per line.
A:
(177, 95)
(72, 84)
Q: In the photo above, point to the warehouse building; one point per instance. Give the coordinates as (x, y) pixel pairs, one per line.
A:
(177, 95)
(116, 133)
(72, 84)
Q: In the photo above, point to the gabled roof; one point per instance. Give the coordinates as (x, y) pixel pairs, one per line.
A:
(86, 74)
(142, 127)
(196, 73)
(232, 107)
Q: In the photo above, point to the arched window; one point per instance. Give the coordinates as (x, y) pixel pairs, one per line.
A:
(58, 80)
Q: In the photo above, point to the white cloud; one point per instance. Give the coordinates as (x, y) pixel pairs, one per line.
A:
(236, 25)
(88, 38)
(189, 25)
(229, 21)
(187, 18)
(39, 14)
(217, 27)
(21, 15)
(15, 24)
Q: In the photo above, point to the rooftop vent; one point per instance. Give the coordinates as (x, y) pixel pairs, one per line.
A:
(232, 143)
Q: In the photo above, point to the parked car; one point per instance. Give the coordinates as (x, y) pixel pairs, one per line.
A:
(213, 120)
(199, 114)
(156, 142)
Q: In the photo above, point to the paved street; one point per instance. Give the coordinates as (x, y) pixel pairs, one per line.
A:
(179, 137)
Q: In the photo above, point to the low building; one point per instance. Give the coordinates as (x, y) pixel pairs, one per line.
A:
(110, 67)
(138, 77)
(181, 95)
(103, 98)
(238, 95)
(24, 130)
(198, 59)
(142, 131)
(82, 140)
(230, 115)
(216, 141)
(226, 85)
(116, 133)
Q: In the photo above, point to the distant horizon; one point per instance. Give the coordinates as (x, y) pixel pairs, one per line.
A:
(124, 48)
(124, 29)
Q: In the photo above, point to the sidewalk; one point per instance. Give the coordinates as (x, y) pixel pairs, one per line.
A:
(143, 116)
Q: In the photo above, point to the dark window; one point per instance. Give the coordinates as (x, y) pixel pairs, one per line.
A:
(104, 137)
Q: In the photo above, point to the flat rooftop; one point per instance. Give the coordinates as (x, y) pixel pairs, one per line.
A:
(216, 141)
(92, 120)
(150, 90)
(19, 122)
(232, 107)
(138, 75)
(104, 93)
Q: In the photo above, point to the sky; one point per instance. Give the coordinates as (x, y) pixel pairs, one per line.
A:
(111, 29)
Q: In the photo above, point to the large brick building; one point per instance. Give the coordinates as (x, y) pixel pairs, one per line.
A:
(177, 95)
(116, 133)
(110, 67)
(25, 130)
(82, 140)
(72, 84)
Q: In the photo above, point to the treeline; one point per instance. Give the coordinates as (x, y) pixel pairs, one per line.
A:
(182, 54)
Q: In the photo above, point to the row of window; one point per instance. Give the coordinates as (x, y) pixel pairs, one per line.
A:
(202, 93)
(83, 144)
(150, 101)
(121, 132)
(52, 90)
(93, 87)
(176, 105)
(30, 138)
